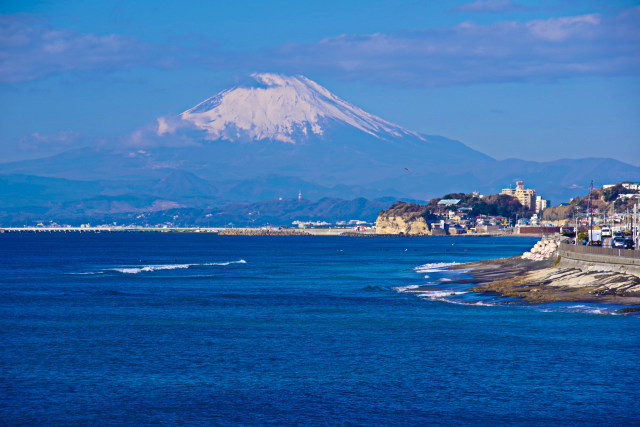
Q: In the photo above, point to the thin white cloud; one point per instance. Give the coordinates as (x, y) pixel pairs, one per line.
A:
(468, 53)
(537, 50)
(37, 141)
(558, 29)
(489, 6)
(31, 49)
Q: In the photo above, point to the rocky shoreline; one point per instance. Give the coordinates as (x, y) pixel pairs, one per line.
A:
(548, 280)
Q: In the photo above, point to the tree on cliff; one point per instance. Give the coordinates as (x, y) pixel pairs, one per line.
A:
(603, 199)
(492, 205)
(406, 210)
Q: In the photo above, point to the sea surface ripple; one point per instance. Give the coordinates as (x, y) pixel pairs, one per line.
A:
(192, 329)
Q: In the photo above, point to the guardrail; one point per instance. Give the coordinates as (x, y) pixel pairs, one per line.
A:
(595, 250)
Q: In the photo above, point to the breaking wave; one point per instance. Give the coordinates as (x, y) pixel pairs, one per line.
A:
(136, 270)
(439, 294)
(410, 288)
(240, 261)
(434, 267)
(157, 267)
(581, 308)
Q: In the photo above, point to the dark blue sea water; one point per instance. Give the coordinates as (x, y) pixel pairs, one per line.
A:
(175, 329)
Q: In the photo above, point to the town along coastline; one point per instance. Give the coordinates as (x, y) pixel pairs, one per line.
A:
(454, 214)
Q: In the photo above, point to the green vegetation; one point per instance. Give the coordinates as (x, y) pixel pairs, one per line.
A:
(491, 205)
(605, 200)
(406, 210)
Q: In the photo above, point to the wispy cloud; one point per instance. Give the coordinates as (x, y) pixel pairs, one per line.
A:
(468, 53)
(489, 6)
(49, 142)
(30, 49)
(537, 50)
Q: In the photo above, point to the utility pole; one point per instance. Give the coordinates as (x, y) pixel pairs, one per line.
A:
(590, 214)
(575, 240)
(634, 229)
(625, 222)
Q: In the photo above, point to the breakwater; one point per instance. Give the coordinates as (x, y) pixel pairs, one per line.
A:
(216, 230)
(104, 229)
(261, 232)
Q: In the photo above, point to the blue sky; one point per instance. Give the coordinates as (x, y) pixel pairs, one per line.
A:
(538, 80)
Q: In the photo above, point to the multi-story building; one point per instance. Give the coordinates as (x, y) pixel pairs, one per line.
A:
(526, 196)
(541, 204)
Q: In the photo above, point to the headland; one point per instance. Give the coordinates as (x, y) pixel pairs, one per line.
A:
(566, 276)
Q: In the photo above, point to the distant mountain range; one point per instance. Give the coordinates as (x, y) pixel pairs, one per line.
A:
(145, 210)
(271, 140)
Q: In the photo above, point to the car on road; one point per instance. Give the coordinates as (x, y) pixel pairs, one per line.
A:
(618, 242)
(628, 243)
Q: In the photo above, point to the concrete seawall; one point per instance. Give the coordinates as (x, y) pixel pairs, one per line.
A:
(600, 259)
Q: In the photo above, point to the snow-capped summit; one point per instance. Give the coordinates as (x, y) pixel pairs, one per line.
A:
(282, 108)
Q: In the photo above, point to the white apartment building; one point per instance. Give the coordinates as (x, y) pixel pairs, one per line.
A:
(526, 196)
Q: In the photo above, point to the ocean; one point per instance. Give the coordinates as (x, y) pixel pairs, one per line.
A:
(199, 329)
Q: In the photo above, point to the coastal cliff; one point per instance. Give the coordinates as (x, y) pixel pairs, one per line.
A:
(403, 218)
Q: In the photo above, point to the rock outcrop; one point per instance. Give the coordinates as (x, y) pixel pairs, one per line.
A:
(567, 284)
(402, 218)
(542, 281)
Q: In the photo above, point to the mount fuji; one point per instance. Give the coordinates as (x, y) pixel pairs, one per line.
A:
(282, 134)
(286, 109)
(293, 127)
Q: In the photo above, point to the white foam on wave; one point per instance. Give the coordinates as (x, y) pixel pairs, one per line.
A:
(434, 267)
(86, 273)
(486, 304)
(410, 288)
(439, 294)
(136, 270)
(240, 261)
(466, 303)
(150, 268)
(580, 309)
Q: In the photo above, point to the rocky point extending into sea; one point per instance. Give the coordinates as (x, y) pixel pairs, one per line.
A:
(541, 276)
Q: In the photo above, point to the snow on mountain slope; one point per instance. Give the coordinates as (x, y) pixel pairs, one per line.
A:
(281, 108)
